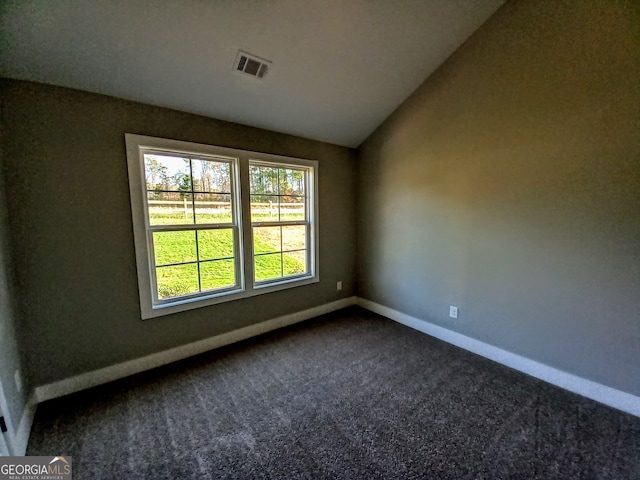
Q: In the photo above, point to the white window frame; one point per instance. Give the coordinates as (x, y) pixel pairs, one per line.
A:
(150, 305)
(309, 222)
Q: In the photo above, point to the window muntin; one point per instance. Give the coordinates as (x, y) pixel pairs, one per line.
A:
(280, 221)
(178, 197)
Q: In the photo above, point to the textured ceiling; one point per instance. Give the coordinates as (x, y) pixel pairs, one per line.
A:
(340, 67)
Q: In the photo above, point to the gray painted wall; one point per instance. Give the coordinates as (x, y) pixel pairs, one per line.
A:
(9, 339)
(509, 184)
(72, 239)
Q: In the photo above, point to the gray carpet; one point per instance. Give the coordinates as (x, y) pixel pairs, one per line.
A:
(348, 395)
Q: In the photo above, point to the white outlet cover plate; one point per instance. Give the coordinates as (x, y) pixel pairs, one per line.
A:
(453, 311)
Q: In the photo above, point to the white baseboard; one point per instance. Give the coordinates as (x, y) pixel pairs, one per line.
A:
(124, 369)
(601, 393)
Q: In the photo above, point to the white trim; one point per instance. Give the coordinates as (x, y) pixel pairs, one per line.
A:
(124, 369)
(8, 436)
(4, 447)
(17, 440)
(595, 391)
(24, 429)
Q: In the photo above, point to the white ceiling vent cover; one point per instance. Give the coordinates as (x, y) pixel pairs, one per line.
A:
(251, 65)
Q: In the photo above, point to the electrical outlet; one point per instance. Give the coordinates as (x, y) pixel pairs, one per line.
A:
(18, 379)
(339, 286)
(453, 311)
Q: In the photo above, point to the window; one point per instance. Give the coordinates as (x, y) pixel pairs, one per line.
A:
(280, 221)
(213, 224)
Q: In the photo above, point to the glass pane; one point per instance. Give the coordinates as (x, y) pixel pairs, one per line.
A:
(295, 263)
(177, 280)
(264, 208)
(174, 247)
(213, 244)
(163, 172)
(292, 208)
(213, 208)
(264, 180)
(293, 237)
(266, 240)
(268, 266)
(291, 182)
(211, 176)
(172, 208)
(217, 274)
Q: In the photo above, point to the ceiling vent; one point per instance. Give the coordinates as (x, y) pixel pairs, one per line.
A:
(251, 65)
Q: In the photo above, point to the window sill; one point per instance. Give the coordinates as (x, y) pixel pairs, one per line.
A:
(185, 304)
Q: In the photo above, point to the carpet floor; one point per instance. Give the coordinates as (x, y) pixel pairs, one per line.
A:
(350, 395)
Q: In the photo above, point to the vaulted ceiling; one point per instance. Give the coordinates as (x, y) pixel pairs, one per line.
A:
(339, 67)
